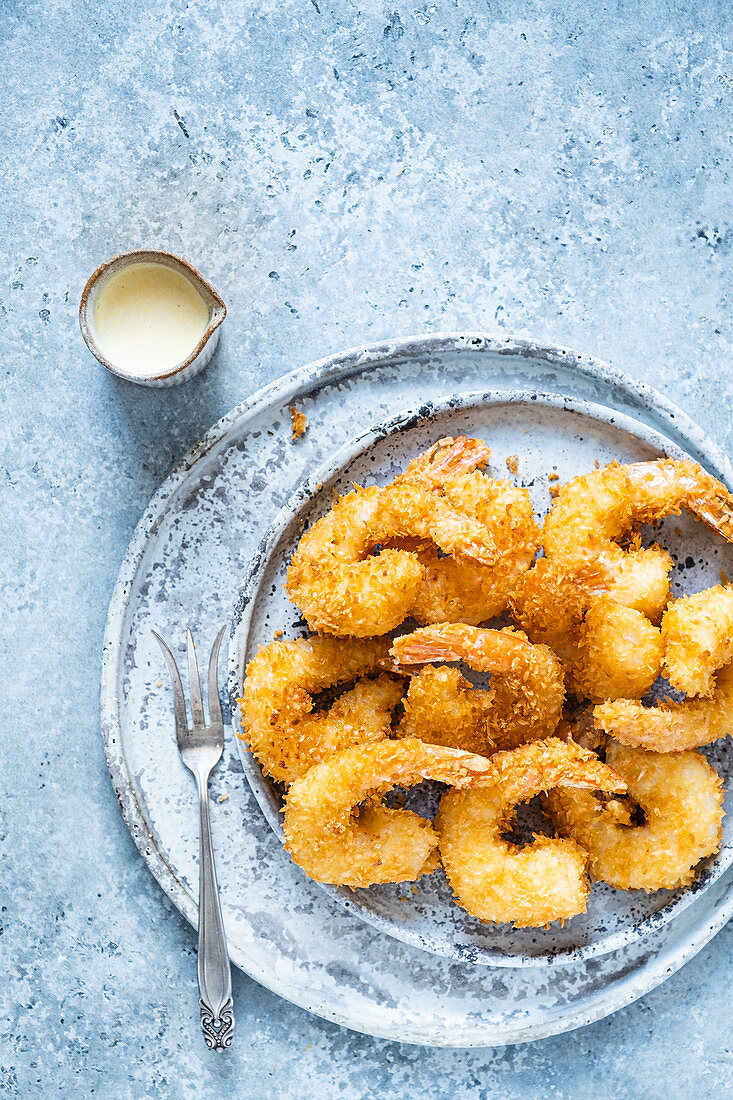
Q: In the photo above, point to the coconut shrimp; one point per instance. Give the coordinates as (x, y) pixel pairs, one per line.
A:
(337, 839)
(456, 589)
(443, 708)
(459, 590)
(640, 580)
(670, 726)
(441, 501)
(498, 881)
(579, 536)
(551, 600)
(680, 799)
(342, 590)
(283, 731)
(610, 649)
(697, 634)
(594, 510)
(527, 680)
(698, 638)
(451, 469)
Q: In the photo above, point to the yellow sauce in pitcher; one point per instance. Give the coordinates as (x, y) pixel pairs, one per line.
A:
(148, 317)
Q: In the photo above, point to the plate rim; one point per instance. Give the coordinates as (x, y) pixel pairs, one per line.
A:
(356, 359)
(301, 496)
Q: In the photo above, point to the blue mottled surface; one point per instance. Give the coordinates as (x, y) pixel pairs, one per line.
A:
(341, 175)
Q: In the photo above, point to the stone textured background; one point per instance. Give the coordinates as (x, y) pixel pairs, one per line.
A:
(341, 174)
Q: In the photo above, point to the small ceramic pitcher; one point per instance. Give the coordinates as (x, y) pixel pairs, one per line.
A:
(198, 357)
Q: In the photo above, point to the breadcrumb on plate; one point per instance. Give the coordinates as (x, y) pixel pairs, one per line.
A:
(300, 421)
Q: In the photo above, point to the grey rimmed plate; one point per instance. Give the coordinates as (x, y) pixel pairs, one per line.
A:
(549, 434)
(185, 564)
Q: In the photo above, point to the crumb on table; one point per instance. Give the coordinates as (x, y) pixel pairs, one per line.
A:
(300, 421)
(553, 476)
(223, 797)
(278, 634)
(512, 462)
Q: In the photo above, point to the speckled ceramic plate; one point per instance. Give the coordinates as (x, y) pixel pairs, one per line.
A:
(549, 433)
(189, 555)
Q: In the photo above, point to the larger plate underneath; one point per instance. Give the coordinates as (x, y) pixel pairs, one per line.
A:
(185, 564)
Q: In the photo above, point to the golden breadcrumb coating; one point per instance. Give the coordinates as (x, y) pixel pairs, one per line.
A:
(299, 422)
(336, 828)
(445, 503)
(277, 702)
(443, 708)
(681, 798)
(591, 512)
(455, 589)
(496, 880)
(526, 680)
(619, 652)
(595, 616)
(698, 639)
(671, 726)
(595, 509)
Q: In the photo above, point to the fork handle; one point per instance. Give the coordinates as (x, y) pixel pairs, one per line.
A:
(215, 976)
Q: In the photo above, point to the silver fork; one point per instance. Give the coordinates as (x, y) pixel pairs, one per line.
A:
(201, 747)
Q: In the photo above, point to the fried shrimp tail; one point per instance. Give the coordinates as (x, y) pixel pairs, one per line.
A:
(278, 717)
(680, 800)
(527, 680)
(495, 880)
(450, 458)
(336, 828)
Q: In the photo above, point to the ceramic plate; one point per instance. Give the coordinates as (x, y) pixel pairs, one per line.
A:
(549, 434)
(187, 560)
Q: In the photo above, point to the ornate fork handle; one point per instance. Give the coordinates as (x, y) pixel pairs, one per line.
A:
(215, 981)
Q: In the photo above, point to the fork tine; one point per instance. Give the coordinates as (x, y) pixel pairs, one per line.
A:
(197, 706)
(214, 701)
(179, 702)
